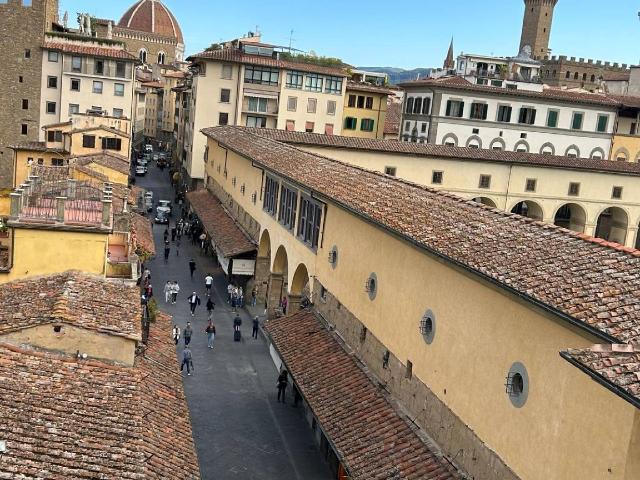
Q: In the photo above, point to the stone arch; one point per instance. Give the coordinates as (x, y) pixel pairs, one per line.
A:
(161, 57)
(485, 201)
(529, 209)
(544, 149)
(278, 283)
(637, 157)
(142, 55)
(450, 137)
(620, 153)
(521, 143)
(280, 261)
(612, 225)
(264, 247)
(571, 216)
(472, 139)
(498, 141)
(572, 150)
(597, 151)
(299, 289)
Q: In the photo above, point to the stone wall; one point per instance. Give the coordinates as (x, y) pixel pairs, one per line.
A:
(592, 69)
(457, 441)
(22, 28)
(536, 26)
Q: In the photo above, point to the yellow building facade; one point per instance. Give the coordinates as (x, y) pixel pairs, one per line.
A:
(453, 383)
(365, 110)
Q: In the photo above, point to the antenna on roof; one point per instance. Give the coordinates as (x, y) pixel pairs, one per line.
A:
(291, 39)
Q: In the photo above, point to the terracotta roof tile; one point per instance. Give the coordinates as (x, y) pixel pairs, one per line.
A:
(616, 365)
(371, 438)
(444, 151)
(142, 233)
(65, 418)
(100, 127)
(591, 285)
(152, 16)
(36, 147)
(105, 52)
(74, 298)
(393, 118)
(236, 56)
(106, 159)
(558, 94)
(226, 234)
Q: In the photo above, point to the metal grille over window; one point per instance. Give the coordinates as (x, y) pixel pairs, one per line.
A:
(428, 326)
(333, 256)
(371, 286)
(517, 384)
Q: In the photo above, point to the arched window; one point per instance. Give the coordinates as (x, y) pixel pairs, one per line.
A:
(417, 106)
(575, 76)
(142, 54)
(554, 73)
(593, 78)
(161, 58)
(568, 75)
(584, 77)
(409, 108)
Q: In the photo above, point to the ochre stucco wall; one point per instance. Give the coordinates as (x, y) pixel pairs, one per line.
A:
(378, 114)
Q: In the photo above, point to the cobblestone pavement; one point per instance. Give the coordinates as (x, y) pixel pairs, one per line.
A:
(240, 431)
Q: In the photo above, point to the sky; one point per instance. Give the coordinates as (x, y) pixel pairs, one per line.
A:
(410, 34)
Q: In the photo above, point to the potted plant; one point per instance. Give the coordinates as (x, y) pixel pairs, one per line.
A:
(4, 229)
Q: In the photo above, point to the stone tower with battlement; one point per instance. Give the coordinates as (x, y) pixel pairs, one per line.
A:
(536, 26)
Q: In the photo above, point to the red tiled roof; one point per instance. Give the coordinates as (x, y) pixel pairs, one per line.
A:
(106, 159)
(443, 151)
(236, 56)
(153, 84)
(104, 128)
(557, 94)
(393, 118)
(151, 16)
(142, 233)
(588, 282)
(367, 87)
(371, 438)
(35, 147)
(617, 366)
(74, 298)
(69, 418)
(105, 52)
(616, 76)
(626, 100)
(226, 234)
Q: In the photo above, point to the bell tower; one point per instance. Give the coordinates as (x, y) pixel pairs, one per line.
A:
(536, 26)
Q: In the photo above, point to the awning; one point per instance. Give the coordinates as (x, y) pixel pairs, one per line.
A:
(249, 93)
(371, 438)
(227, 236)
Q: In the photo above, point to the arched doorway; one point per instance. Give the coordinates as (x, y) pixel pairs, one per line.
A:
(528, 209)
(612, 225)
(571, 216)
(278, 281)
(485, 201)
(264, 248)
(300, 288)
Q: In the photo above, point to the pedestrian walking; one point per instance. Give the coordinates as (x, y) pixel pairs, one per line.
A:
(149, 291)
(254, 295)
(173, 233)
(188, 332)
(192, 266)
(175, 289)
(178, 247)
(187, 359)
(237, 322)
(284, 304)
(229, 291)
(203, 238)
(208, 282)
(256, 326)
(167, 250)
(194, 301)
(210, 306)
(166, 234)
(211, 333)
(167, 291)
(240, 297)
(283, 381)
(175, 334)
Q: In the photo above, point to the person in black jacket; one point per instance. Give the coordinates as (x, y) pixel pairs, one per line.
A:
(194, 301)
(283, 381)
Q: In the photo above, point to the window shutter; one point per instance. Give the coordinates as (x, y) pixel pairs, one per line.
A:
(484, 111)
(522, 114)
(509, 109)
(426, 105)
(448, 108)
(104, 143)
(533, 116)
(461, 111)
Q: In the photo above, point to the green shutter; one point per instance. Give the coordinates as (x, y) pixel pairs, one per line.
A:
(461, 111)
(602, 123)
(552, 121)
(485, 108)
(448, 108)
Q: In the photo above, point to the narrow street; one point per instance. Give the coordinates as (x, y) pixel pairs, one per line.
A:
(240, 431)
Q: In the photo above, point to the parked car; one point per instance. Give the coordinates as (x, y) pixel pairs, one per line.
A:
(166, 204)
(148, 148)
(148, 201)
(140, 171)
(162, 215)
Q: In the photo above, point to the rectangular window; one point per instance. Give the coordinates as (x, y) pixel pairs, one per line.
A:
(574, 189)
(291, 125)
(504, 113)
(75, 84)
(603, 121)
(27, 53)
(118, 112)
(25, 104)
(426, 105)
(270, 201)
(259, 122)
(632, 129)
(366, 125)
(527, 115)
(52, 82)
(225, 95)
(311, 105)
(350, 123)
(261, 75)
(436, 177)
(121, 69)
(97, 87)
(552, 118)
(530, 185)
(331, 107)
(227, 72)
(478, 111)
(89, 141)
(352, 101)
(361, 100)
(333, 85)
(54, 136)
(309, 222)
(74, 108)
(51, 107)
(288, 204)
(616, 193)
(118, 89)
(391, 171)
(576, 122)
(257, 104)
(423, 128)
(111, 144)
(223, 118)
(485, 181)
(57, 162)
(294, 80)
(313, 82)
(53, 56)
(76, 64)
(455, 108)
(328, 129)
(23, 129)
(292, 104)
(308, 127)
(98, 67)
(369, 103)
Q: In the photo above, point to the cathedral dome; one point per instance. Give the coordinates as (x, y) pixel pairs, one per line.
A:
(151, 16)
